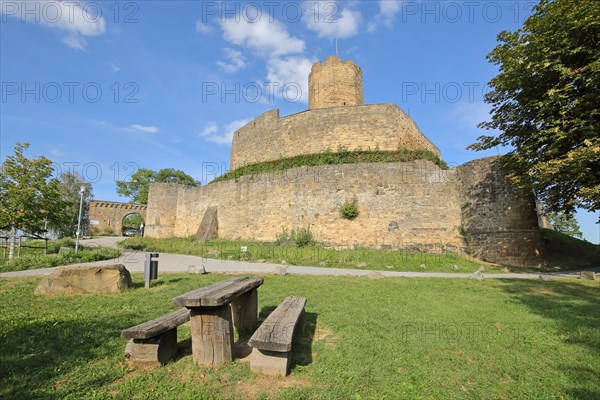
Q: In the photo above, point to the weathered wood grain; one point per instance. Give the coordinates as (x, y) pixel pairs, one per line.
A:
(244, 311)
(212, 335)
(277, 331)
(157, 326)
(218, 294)
(155, 351)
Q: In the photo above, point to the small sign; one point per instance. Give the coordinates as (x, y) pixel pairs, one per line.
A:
(94, 222)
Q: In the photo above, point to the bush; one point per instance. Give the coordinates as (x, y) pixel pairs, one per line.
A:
(283, 238)
(304, 237)
(299, 238)
(55, 245)
(349, 209)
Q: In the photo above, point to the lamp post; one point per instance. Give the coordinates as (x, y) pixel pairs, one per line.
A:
(81, 190)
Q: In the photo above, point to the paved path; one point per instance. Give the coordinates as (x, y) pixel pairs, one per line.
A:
(171, 263)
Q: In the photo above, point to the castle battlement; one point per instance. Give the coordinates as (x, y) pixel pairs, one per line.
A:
(334, 84)
(375, 126)
(414, 205)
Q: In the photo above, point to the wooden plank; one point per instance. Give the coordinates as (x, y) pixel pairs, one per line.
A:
(212, 336)
(155, 351)
(218, 294)
(195, 296)
(157, 326)
(244, 311)
(227, 294)
(276, 333)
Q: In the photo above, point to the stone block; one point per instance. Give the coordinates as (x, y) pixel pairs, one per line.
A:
(84, 279)
(588, 275)
(270, 363)
(197, 269)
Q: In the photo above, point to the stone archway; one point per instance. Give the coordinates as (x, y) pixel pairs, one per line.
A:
(133, 224)
(106, 217)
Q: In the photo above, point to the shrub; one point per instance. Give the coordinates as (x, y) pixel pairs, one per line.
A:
(55, 245)
(283, 238)
(299, 238)
(349, 210)
(304, 237)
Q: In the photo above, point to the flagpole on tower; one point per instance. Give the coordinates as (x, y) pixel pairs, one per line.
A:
(336, 46)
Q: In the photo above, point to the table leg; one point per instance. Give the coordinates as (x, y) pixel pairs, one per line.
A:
(244, 311)
(212, 335)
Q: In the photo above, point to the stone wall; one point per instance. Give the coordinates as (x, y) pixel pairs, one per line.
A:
(109, 215)
(382, 126)
(335, 83)
(413, 205)
(500, 222)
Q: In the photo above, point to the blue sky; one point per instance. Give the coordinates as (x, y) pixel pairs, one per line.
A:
(106, 87)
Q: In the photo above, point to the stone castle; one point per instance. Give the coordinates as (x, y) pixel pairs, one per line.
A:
(416, 205)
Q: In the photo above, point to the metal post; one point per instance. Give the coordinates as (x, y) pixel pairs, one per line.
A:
(153, 265)
(81, 190)
(150, 268)
(147, 271)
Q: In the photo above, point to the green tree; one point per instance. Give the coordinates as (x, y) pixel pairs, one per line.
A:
(29, 196)
(69, 188)
(565, 223)
(545, 104)
(134, 221)
(137, 188)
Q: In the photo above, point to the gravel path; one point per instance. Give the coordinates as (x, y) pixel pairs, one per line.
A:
(172, 263)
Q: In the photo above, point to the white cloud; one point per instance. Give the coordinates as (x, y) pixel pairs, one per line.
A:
(115, 67)
(143, 129)
(78, 20)
(211, 131)
(290, 70)
(262, 36)
(203, 27)
(386, 15)
(329, 20)
(236, 61)
(467, 115)
(57, 152)
(281, 51)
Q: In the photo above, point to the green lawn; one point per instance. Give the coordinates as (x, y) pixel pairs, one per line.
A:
(34, 259)
(317, 255)
(365, 338)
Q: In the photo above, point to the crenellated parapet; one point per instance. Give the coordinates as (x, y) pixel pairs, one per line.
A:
(376, 126)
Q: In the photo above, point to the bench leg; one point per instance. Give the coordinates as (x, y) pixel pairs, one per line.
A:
(154, 351)
(244, 311)
(212, 335)
(271, 363)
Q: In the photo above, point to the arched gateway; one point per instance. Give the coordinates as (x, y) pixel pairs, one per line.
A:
(107, 216)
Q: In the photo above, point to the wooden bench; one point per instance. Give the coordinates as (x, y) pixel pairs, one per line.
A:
(155, 341)
(214, 311)
(272, 342)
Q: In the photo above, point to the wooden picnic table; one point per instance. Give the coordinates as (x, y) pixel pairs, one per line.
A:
(214, 311)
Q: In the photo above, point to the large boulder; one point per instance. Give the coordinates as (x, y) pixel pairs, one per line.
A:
(84, 279)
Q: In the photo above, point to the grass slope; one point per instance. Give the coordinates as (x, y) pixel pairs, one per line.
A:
(342, 156)
(364, 339)
(34, 258)
(317, 255)
(566, 252)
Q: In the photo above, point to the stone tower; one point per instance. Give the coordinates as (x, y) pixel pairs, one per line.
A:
(334, 84)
